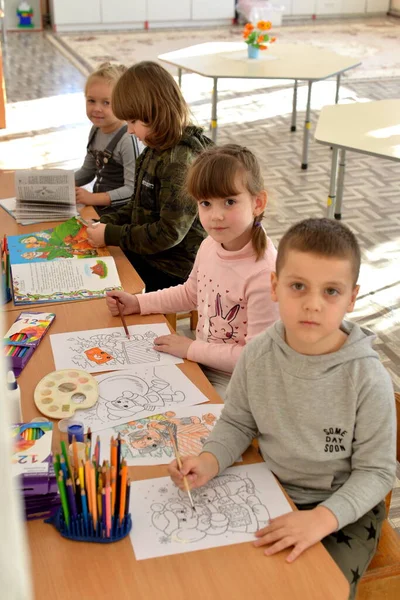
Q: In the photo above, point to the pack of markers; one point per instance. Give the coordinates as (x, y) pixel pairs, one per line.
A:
(24, 336)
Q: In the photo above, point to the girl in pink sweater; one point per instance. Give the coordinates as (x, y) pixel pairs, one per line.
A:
(230, 281)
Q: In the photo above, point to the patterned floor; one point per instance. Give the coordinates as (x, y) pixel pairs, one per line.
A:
(46, 126)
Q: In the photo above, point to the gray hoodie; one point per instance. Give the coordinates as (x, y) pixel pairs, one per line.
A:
(325, 424)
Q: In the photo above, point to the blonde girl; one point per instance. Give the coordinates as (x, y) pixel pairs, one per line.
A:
(111, 150)
(230, 281)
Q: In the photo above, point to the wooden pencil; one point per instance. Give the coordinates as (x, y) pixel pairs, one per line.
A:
(124, 474)
(120, 308)
(179, 461)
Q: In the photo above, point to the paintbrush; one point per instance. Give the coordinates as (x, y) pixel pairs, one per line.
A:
(179, 461)
(119, 304)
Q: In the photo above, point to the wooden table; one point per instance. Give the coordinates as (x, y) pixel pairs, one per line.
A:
(366, 127)
(282, 61)
(130, 280)
(64, 570)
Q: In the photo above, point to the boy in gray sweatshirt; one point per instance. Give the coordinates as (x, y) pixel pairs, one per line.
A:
(313, 392)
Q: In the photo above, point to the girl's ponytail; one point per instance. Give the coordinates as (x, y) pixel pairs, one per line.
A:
(259, 237)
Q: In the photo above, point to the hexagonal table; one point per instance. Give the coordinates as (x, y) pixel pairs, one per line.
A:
(281, 61)
(365, 127)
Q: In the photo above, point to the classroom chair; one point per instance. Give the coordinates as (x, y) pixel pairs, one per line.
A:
(381, 581)
(193, 315)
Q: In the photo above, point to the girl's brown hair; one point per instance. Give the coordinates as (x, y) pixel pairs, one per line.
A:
(214, 174)
(107, 71)
(148, 93)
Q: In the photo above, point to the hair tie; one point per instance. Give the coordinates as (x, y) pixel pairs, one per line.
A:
(257, 223)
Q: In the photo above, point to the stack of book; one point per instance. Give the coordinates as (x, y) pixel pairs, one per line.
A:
(46, 195)
(33, 465)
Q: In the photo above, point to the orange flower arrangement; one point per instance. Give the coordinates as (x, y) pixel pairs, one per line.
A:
(257, 36)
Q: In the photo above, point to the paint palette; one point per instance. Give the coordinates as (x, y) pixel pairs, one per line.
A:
(61, 393)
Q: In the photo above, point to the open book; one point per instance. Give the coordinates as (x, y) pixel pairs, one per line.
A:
(60, 264)
(44, 195)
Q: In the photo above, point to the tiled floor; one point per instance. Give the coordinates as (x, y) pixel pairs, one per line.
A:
(47, 126)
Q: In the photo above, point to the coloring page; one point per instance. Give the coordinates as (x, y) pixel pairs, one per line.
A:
(229, 510)
(99, 350)
(138, 393)
(147, 441)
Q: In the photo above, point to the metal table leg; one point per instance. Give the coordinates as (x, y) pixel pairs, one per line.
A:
(337, 87)
(340, 183)
(330, 205)
(294, 109)
(214, 111)
(180, 77)
(307, 127)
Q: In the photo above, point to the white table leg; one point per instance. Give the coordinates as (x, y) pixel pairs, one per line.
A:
(340, 184)
(294, 109)
(330, 205)
(214, 111)
(307, 127)
(180, 77)
(337, 88)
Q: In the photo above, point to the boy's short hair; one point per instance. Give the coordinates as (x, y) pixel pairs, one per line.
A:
(323, 237)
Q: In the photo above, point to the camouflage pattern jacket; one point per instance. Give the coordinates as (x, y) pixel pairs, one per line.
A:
(160, 222)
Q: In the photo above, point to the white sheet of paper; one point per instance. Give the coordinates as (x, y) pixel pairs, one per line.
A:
(147, 441)
(99, 350)
(138, 393)
(229, 510)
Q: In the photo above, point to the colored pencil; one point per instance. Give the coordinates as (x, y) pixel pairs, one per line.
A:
(75, 454)
(81, 475)
(117, 475)
(179, 461)
(84, 507)
(108, 511)
(128, 496)
(63, 496)
(113, 488)
(103, 509)
(121, 314)
(71, 498)
(124, 474)
(64, 468)
(93, 497)
(78, 496)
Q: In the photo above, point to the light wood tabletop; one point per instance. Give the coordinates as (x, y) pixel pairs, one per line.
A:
(365, 127)
(300, 62)
(64, 570)
(130, 280)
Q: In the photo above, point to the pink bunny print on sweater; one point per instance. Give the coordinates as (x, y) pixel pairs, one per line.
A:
(220, 328)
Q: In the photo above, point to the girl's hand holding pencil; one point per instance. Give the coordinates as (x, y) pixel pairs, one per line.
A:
(198, 470)
(129, 302)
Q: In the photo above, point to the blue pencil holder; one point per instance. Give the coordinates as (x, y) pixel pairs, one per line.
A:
(81, 531)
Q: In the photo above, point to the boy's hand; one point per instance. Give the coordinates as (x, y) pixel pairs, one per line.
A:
(301, 529)
(177, 345)
(84, 196)
(96, 234)
(130, 304)
(198, 470)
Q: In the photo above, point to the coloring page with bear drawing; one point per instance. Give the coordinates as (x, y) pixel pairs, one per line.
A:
(99, 350)
(229, 510)
(148, 442)
(138, 393)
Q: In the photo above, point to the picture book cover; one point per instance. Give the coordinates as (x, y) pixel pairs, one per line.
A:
(64, 280)
(31, 448)
(67, 240)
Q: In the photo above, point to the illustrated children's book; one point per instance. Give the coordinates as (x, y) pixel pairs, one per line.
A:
(60, 264)
(44, 195)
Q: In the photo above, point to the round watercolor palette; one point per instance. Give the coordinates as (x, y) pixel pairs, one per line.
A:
(61, 393)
